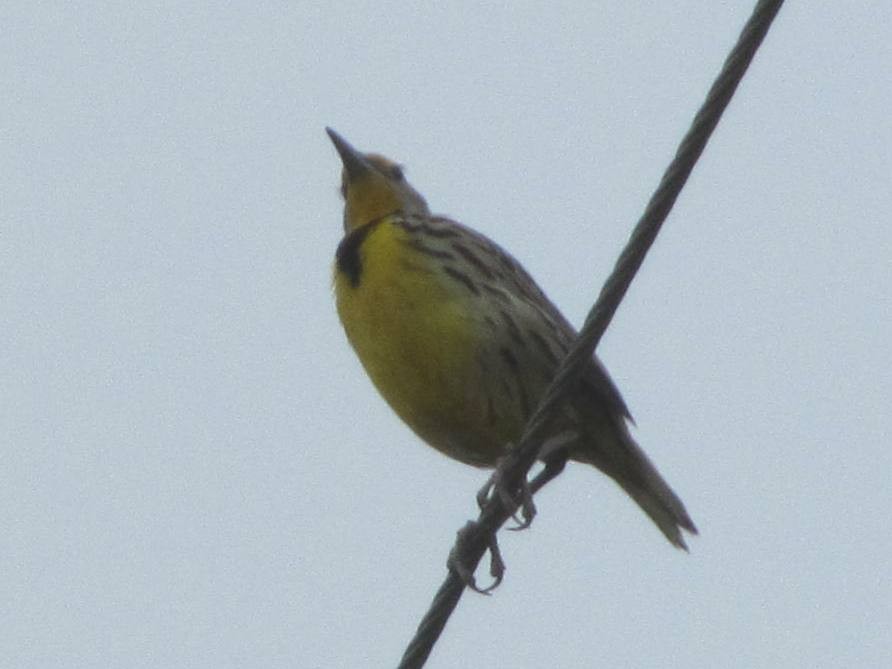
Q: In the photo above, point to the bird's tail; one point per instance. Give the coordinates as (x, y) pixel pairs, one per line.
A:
(624, 461)
(663, 506)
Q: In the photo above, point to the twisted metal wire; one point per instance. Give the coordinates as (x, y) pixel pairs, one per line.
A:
(516, 468)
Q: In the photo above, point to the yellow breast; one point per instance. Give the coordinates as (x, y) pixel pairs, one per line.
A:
(417, 337)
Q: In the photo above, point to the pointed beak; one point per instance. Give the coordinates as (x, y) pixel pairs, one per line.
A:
(354, 162)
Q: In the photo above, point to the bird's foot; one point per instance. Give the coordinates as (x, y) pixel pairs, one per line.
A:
(461, 559)
(512, 500)
(527, 508)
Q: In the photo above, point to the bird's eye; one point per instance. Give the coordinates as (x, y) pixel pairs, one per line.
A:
(396, 173)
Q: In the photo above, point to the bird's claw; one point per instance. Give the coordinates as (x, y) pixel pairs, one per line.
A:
(511, 500)
(483, 493)
(527, 508)
(457, 561)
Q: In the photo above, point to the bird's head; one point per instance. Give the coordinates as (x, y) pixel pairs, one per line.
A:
(373, 186)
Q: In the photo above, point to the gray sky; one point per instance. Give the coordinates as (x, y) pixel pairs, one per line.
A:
(195, 470)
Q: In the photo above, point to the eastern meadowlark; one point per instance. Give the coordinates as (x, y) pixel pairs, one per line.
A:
(462, 343)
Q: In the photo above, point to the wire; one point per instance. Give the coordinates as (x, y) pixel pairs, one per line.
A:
(475, 538)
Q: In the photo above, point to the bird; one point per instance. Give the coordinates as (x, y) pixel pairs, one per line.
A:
(462, 343)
